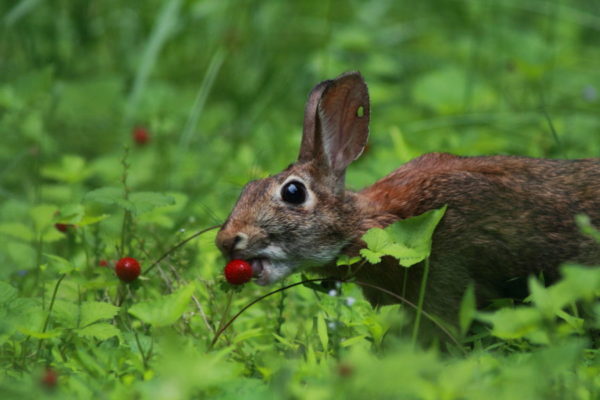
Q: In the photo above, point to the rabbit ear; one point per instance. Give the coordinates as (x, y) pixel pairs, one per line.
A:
(336, 123)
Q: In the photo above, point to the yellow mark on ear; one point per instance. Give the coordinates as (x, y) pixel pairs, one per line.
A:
(360, 111)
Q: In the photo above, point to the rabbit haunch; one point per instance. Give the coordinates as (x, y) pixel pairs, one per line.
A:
(507, 217)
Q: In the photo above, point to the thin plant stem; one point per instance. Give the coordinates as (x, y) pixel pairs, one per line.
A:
(253, 302)
(178, 245)
(360, 283)
(47, 322)
(420, 301)
(225, 312)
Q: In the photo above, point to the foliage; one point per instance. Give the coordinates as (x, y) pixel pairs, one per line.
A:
(219, 85)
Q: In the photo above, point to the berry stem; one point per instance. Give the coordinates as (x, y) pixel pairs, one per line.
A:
(359, 283)
(126, 214)
(178, 245)
(225, 313)
(253, 302)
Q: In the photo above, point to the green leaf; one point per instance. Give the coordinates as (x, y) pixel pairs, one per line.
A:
(43, 216)
(62, 265)
(7, 293)
(468, 309)
(578, 283)
(71, 170)
(70, 214)
(137, 203)
(107, 195)
(146, 201)
(322, 331)
(92, 311)
(347, 260)
(248, 334)
(353, 340)
(515, 323)
(17, 230)
(165, 310)
(100, 331)
(408, 240)
(416, 232)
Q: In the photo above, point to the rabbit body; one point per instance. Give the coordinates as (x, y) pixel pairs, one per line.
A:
(507, 217)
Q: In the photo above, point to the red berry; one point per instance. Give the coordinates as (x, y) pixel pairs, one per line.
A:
(345, 370)
(102, 263)
(128, 269)
(63, 227)
(238, 272)
(50, 378)
(141, 135)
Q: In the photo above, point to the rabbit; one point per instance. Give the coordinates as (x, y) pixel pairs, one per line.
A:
(507, 217)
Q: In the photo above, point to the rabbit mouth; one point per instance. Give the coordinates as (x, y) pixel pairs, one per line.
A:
(258, 270)
(267, 271)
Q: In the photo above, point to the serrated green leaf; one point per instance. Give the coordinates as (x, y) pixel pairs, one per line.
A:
(416, 232)
(100, 331)
(70, 214)
(409, 240)
(138, 203)
(107, 195)
(405, 255)
(147, 201)
(165, 310)
(62, 265)
(377, 239)
(371, 256)
(66, 312)
(92, 311)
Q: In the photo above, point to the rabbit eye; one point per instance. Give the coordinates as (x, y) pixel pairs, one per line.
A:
(293, 192)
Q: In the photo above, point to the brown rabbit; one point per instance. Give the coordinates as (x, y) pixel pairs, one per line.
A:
(507, 217)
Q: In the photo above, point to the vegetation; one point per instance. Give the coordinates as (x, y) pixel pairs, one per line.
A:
(127, 126)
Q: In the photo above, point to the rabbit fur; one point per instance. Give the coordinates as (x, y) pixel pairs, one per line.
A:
(507, 217)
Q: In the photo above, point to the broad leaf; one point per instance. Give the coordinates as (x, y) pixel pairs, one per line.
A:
(408, 240)
(92, 311)
(522, 322)
(137, 203)
(17, 230)
(100, 331)
(166, 310)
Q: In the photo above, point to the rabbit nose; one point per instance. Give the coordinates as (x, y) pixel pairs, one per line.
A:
(232, 242)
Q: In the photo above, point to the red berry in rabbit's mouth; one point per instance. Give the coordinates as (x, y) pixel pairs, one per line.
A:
(238, 272)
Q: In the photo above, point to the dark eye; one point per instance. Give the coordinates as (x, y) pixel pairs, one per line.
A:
(293, 192)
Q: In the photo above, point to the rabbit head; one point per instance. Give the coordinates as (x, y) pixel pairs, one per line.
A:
(303, 216)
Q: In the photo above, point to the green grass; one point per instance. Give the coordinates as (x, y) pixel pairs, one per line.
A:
(220, 85)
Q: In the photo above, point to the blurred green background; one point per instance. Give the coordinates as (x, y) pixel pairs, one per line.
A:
(220, 87)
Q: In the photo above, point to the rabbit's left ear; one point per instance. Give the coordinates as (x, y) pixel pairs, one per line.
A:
(336, 123)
